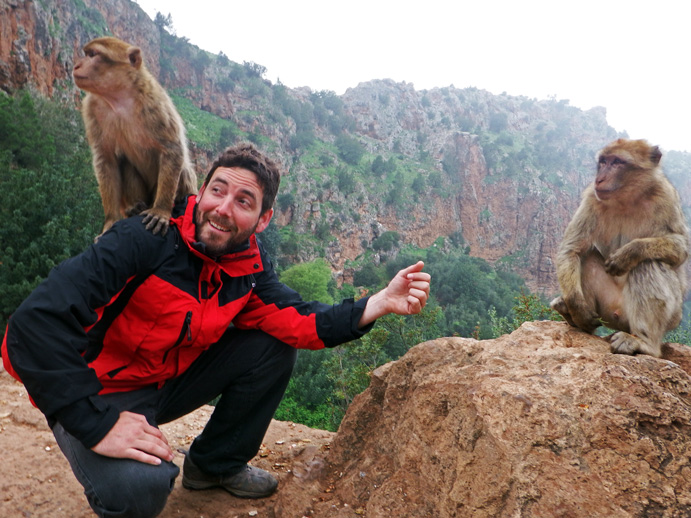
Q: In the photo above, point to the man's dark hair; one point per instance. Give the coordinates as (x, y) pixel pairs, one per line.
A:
(250, 158)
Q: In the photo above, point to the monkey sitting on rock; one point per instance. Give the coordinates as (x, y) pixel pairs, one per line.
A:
(136, 135)
(621, 262)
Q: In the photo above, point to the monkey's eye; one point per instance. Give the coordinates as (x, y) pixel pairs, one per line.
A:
(602, 160)
(618, 161)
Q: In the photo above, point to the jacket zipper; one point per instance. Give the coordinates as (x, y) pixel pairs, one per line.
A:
(185, 331)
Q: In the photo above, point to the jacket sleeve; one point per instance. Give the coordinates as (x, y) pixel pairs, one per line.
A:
(279, 311)
(46, 336)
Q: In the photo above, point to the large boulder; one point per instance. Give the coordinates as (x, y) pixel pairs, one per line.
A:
(544, 422)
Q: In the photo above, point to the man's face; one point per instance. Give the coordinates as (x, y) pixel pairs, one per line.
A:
(229, 210)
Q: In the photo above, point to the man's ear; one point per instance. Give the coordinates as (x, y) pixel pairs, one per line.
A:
(201, 191)
(264, 220)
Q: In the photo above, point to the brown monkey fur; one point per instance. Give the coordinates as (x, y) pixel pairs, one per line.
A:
(621, 261)
(136, 135)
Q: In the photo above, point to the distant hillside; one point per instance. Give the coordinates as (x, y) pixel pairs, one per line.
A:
(498, 173)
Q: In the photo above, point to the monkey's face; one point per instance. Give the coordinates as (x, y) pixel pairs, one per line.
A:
(625, 165)
(107, 66)
(229, 210)
(610, 174)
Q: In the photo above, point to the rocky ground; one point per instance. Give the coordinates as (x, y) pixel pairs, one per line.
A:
(36, 480)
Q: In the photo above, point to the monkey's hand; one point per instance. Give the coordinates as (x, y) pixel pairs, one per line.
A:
(621, 261)
(580, 314)
(156, 221)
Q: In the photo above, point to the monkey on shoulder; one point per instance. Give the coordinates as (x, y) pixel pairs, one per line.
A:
(622, 259)
(136, 135)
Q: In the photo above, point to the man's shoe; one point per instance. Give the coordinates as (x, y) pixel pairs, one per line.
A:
(251, 482)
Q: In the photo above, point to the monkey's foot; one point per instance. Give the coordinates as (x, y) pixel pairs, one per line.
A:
(135, 209)
(156, 222)
(560, 307)
(589, 326)
(625, 343)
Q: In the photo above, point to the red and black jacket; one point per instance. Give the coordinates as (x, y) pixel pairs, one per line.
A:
(136, 309)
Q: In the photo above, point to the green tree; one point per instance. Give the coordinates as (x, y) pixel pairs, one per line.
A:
(222, 59)
(395, 195)
(310, 280)
(228, 135)
(387, 241)
(405, 332)
(680, 335)
(349, 149)
(378, 166)
(368, 276)
(253, 69)
(498, 122)
(201, 61)
(346, 181)
(270, 237)
(164, 22)
(49, 203)
(295, 407)
(349, 368)
(528, 308)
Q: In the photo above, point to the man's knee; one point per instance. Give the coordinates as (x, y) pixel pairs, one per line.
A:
(266, 348)
(140, 491)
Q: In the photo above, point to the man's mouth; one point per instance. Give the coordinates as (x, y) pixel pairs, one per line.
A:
(218, 227)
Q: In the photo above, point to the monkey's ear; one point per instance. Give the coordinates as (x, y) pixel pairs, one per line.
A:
(655, 155)
(135, 57)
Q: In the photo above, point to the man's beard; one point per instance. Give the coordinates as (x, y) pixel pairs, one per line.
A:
(218, 247)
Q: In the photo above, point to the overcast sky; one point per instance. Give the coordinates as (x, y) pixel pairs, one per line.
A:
(630, 56)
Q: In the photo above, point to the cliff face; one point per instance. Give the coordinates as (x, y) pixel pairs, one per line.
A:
(507, 207)
(510, 169)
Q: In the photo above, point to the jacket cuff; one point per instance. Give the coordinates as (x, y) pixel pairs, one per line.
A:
(348, 331)
(89, 420)
(359, 308)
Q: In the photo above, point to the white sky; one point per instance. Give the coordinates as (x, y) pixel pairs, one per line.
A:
(630, 56)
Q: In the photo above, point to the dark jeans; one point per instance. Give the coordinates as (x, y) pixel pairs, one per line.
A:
(249, 369)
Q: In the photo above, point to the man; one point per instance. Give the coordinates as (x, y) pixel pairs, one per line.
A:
(141, 329)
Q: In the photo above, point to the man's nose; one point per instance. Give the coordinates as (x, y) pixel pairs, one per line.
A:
(225, 207)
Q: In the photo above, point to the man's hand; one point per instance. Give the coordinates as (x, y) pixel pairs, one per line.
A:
(406, 294)
(133, 437)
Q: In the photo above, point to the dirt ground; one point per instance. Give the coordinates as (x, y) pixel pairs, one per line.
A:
(36, 480)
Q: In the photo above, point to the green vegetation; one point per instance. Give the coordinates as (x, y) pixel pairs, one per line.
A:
(528, 307)
(206, 130)
(49, 202)
(311, 280)
(349, 149)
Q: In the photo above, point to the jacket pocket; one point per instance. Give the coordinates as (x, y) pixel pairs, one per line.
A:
(185, 333)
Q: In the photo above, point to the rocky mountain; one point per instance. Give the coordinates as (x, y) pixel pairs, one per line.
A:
(502, 174)
(544, 422)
